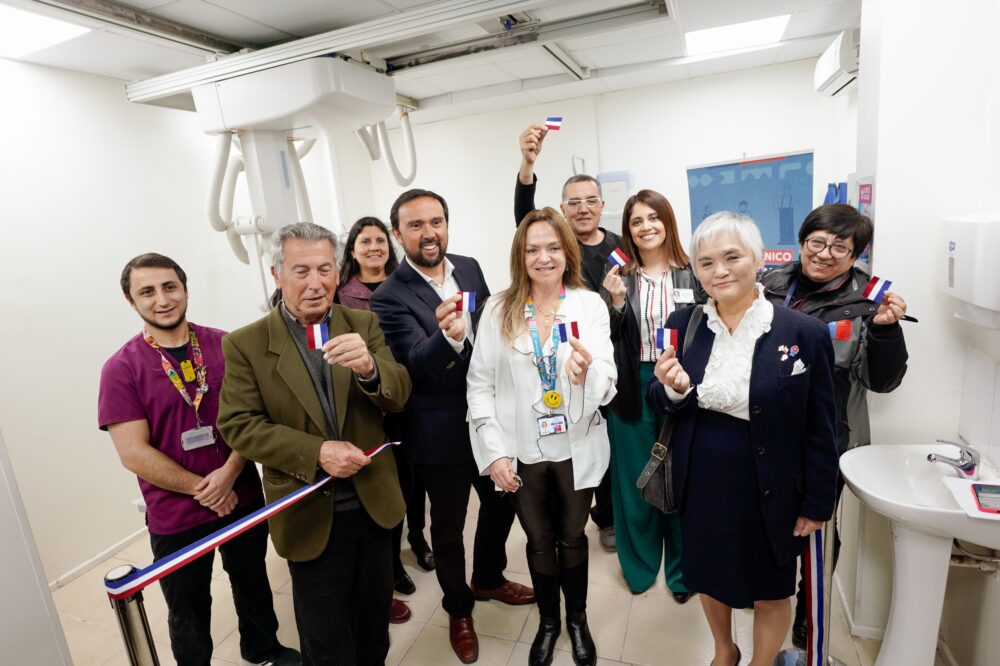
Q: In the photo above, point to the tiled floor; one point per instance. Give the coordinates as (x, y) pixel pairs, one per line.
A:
(648, 628)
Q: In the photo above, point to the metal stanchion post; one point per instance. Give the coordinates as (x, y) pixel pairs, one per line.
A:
(132, 621)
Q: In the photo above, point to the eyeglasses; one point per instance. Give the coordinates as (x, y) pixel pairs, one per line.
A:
(837, 250)
(573, 204)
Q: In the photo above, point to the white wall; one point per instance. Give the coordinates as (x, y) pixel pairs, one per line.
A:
(931, 140)
(88, 182)
(657, 132)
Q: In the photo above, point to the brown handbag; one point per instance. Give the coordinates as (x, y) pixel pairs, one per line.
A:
(656, 483)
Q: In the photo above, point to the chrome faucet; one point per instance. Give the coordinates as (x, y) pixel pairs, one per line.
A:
(967, 462)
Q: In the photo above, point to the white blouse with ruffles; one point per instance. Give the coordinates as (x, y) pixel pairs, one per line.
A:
(726, 385)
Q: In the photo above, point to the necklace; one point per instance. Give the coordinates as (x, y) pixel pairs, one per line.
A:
(548, 312)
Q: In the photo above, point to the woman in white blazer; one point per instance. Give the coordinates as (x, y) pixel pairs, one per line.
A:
(534, 421)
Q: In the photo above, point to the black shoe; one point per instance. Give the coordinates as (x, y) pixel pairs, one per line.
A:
(682, 597)
(404, 584)
(544, 646)
(424, 555)
(799, 633)
(584, 650)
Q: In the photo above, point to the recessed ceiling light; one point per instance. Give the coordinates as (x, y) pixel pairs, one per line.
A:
(736, 36)
(24, 32)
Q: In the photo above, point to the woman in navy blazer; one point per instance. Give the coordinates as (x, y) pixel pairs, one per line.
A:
(754, 446)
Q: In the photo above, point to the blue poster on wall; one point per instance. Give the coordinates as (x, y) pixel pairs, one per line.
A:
(775, 191)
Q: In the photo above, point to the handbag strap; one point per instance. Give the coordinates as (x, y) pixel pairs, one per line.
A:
(693, 323)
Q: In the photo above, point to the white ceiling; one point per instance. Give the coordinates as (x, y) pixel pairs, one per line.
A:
(642, 54)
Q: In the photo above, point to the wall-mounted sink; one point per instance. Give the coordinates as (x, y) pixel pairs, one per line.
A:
(900, 483)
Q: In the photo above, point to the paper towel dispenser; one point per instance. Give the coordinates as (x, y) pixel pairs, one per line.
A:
(970, 269)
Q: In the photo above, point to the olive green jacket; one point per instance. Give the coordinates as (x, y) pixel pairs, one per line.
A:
(269, 412)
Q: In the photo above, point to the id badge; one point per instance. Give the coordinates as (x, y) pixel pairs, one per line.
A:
(552, 424)
(683, 295)
(197, 438)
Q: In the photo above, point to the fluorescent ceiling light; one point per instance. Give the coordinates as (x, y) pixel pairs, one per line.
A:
(23, 32)
(736, 36)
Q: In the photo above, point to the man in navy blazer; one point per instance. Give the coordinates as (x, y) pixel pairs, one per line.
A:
(429, 320)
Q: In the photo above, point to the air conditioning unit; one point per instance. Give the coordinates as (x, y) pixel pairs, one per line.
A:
(838, 66)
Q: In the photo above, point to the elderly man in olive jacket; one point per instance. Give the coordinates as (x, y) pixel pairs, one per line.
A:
(302, 411)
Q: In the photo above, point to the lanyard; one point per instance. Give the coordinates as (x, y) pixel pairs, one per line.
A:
(200, 372)
(546, 365)
(791, 292)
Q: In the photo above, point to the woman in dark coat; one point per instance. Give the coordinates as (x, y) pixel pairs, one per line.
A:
(755, 457)
(656, 281)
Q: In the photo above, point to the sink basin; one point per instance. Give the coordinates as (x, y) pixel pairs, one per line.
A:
(899, 482)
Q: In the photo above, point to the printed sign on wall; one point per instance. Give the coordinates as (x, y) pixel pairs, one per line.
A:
(775, 191)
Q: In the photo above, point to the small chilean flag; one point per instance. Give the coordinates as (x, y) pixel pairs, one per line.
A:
(618, 257)
(840, 330)
(564, 331)
(466, 302)
(317, 335)
(553, 122)
(666, 336)
(875, 291)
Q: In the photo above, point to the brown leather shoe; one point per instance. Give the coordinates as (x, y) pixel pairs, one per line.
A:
(510, 592)
(463, 637)
(399, 612)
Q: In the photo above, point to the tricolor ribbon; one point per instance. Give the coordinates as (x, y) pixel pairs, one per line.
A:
(137, 580)
(666, 336)
(317, 335)
(553, 122)
(466, 301)
(815, 598)
(875, 291)
(618, 258)
(381, 447)
(573, 329)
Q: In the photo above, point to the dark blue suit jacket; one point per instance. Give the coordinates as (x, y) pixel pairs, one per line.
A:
(435, 429)
(791, 421)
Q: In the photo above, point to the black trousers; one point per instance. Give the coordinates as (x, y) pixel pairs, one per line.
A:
(602, 513)
(187, 591)
(554, 515)
(342, 597)
(414, 494)
(448, 489)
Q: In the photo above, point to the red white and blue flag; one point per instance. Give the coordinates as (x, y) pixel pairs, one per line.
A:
(317, 335)
(840, 329)
(618, 257)
(553, 122)
(466, 301)
(566, 329)
(666, 336)
(875, 291)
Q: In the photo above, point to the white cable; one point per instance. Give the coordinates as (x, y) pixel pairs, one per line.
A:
(368, 136)
(299, 182)
(260, 268)
(227, 200)
(411, 151)
(223, 143)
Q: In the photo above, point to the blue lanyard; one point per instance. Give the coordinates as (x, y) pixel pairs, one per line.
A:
(791, 292)
(546, 365)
